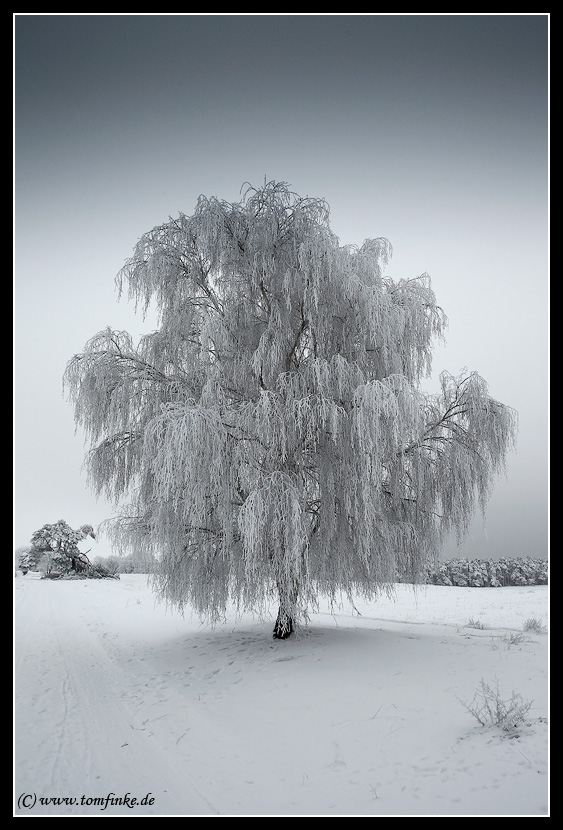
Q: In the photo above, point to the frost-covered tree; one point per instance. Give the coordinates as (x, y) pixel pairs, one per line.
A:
(20, 556)
(57, 546)
(272, 435)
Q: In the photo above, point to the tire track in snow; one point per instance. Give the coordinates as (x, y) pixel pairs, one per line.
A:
(78, 684)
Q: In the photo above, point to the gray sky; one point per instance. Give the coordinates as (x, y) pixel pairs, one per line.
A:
(429, 130)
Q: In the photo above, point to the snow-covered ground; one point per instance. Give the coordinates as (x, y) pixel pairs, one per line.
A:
(117, 699)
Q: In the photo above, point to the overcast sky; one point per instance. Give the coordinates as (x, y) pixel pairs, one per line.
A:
(429, 130)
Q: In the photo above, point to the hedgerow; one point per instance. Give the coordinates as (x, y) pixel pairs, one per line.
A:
(488, 573)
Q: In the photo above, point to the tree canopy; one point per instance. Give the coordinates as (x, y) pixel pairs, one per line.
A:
(272, 435)
(58, 544)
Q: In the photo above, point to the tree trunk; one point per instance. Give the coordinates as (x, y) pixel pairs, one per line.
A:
(284, 625)
(286, 612)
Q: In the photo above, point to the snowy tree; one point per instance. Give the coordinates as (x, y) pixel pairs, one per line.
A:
(272, 435)
(56, 547)
(20, 557)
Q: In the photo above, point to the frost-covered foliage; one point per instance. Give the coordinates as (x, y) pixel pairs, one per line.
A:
(484, 573)
(272, 434)
(54, 548)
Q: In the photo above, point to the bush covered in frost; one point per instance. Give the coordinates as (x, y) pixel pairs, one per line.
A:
(488, 573)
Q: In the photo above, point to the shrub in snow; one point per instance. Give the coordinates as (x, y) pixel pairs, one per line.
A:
(536, 626)
(471, 623)
(488, 708)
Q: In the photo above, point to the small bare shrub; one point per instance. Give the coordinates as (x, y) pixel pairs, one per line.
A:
(475, 624)
(514, 638)
(536, 626)
(489, 709)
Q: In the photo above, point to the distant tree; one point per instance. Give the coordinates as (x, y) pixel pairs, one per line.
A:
(272, 433)
(20, 555)
(137, 563)
(131, 564)
(56, 547)
(111, 564)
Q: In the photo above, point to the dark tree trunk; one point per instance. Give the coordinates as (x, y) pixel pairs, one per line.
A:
(284, 625)
(287, 612)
